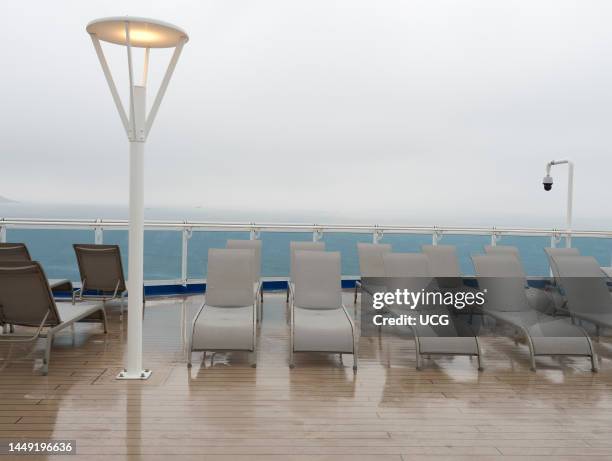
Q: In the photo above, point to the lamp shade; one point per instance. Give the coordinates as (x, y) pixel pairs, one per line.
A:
(144, 33)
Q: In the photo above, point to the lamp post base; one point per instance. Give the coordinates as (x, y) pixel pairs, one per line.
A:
(141, 375)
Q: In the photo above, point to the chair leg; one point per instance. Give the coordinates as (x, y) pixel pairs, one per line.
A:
(594, 364)
(253, 359)
(417, 348)
(355, 300)
(104, 321)
(47, 356)
(479, 356)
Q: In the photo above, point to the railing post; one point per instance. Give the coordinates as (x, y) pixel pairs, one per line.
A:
(317, 234)
(2, 234)
(254, 232)
(436, 237)
(494, 238)
(377, 236)
(98, 233)
(187, 233)
(554, 239)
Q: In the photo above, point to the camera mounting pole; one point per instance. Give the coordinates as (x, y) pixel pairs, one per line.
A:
(570, 194)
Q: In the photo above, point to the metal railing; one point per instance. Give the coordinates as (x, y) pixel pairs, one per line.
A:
(97, 226)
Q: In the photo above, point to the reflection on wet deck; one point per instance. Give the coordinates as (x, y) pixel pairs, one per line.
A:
(320, 410)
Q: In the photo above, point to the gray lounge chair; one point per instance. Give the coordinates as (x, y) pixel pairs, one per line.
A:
(444, 265)
(300, 246)
(255, 246)
(539, 299)
(559, 301)
(227, 321)
(26, 300)
(502, 278)
(371, 265)
(586, 289)
(318, 320)
(101, 273)
(552, 253)
(412, 271)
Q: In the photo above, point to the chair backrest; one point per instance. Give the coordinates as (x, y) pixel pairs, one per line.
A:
(318, 279)
(501, 275)
(371, 258)
(229, 282)
(254, 245)
(444, 264)
(584, 285)
(302, 246)
(100, 267)
(553, 253)
(507, 250)
(407, 271)
(25, 296)
(14, 252)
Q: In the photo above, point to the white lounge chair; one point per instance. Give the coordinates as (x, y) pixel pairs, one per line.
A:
(299, 246)
(585, 287)
(254, 245)
(539, 299)
(558, 298)
(371, 265)
(411, 271)
(26, 300)
(227, 321)
(318, 320)
(502, 278)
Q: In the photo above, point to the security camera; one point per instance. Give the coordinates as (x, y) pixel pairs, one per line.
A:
(547, 182)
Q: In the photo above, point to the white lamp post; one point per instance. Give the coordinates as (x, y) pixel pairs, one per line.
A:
(136, 33)
(548, 182)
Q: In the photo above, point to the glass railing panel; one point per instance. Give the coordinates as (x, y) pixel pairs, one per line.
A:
(198, 246)
(406, 243)
(53, 249)
(162, 252)
(599, 248)
(275, 251)
(466, 245)
(346, 244)
(531, 252)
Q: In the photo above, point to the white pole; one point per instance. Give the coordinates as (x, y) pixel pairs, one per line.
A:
(570, 195)
(134, 368)
(570, 200)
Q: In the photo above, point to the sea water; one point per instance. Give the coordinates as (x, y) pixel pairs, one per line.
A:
(162, 248)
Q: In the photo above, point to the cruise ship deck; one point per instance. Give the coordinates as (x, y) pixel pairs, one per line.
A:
(320, 410)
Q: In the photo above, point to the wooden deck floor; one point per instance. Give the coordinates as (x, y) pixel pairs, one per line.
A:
(319, 411)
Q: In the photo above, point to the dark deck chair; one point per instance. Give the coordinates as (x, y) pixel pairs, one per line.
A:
(26, 300)
(502, 278)
(585, 287)
(101, 273)
(14, 252)
(19, 252)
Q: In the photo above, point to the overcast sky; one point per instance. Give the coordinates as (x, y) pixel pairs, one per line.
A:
(427, 111)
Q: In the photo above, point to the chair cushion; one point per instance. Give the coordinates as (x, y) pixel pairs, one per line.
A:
(224, 328)
(322, 330)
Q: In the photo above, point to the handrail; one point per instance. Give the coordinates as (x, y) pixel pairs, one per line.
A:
(295, 227)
